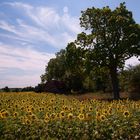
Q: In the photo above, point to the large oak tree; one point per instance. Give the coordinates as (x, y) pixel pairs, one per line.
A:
(112, 37)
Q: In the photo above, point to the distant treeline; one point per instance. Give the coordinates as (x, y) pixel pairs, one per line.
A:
(129, 82)
(25, 89)
(53, 86)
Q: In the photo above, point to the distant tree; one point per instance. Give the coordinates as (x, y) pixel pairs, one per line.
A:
(135, 80)
(6, 89)
(66, 67)
(55, 69)
(40, 88)
(75, 71)
(114, 37)
(72, 67)
(130, 79)
(15, 89)
(26, 89)
(124, 77)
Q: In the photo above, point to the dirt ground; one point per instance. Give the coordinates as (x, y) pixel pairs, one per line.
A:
(99, 96)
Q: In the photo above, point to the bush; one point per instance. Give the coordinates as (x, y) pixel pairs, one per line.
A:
(130, 79)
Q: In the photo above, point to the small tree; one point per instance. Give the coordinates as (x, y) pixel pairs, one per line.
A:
(75, 71)
(6, 89)
(55, 69)
(66, 67)
(114, 37)
(135, 81)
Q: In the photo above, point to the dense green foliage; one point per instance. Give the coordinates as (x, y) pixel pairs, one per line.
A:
(130, 79)
(6, 89)
(114, 37)
(94, 59)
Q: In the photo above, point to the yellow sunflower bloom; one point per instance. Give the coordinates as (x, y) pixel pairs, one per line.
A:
(126, 113)
(15, 114)
(81, 116)
(62, 114)
(70, 116)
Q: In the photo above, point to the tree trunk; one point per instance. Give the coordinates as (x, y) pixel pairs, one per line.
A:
(115, 82)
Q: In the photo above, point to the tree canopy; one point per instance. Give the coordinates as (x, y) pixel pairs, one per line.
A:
(110, 38)
(114, 37)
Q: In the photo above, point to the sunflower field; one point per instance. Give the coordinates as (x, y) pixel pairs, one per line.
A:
(47, 116)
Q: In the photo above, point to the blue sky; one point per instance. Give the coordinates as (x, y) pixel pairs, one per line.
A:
(32, 31)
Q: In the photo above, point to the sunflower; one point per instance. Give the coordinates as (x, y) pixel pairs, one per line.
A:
(102, 117)
(53, 116)
(55, 108)
(105, 112)
(82, 103)
(137, 105)
(65, 108)
(73, 100)
(63, 100)
(9, 106)
(52, 100)
(92, 100)
(82, 109)
(126, 113)
(47, 115)
(29, 113)
(0, 115)
(27, 121)
(3, 110)
(70, 116)
(46, 119)
(15, 114)
(21, 118)
(109, 111)
(43, 102)
(28, 110)
(4, 114)
(22, 108)
(90, 108)
(32, 108)
(62, 114)
(98, 114)
(49, 108)
(40, 109)
(70, 109)
(33, 117)
(22, 101)
(88, 116)
(58, 115)
(27, 106)
(118, 108)
(81, 116)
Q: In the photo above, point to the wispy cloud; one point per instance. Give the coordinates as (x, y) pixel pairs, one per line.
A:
(22, 58)
(5, 26)
(22, 35)
(30, 62)
(20, 81)
(47, 25)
